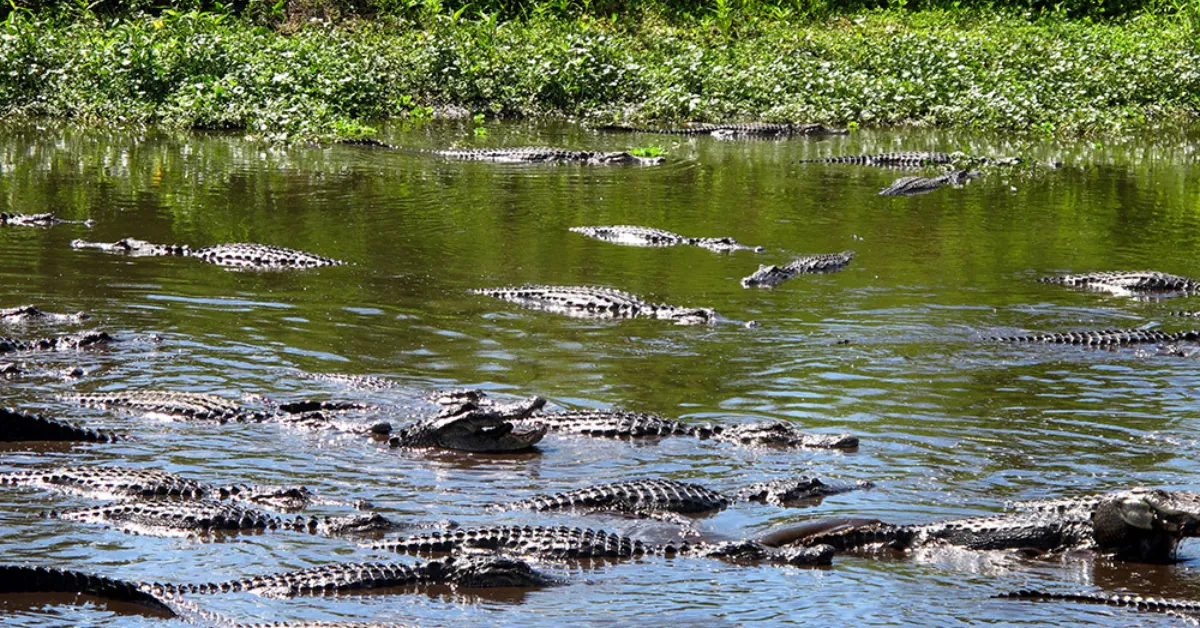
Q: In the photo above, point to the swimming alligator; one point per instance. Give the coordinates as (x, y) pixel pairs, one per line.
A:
(33, 579)
(350, 578)
(477, 427)
(912, 186)
(1128, 283)
(912, 160)
(632, 235)
(202, 516)
(1184, 609)
(103, 482)
(649, 498)
(768, 275)
(357, 382)
(597, 302)
(237, 255)
(736, 130)
(1142, 525)
(567, 543)
(1106, 337)
(29, 314)
(17, 426)
(547, 154)
(65, 342)
(38, 220)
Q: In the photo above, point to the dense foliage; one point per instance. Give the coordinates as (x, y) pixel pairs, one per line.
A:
(318, 77)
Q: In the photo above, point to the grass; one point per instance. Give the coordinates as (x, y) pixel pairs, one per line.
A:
(262, 71)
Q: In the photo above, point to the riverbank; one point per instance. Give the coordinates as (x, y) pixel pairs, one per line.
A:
(961, 69)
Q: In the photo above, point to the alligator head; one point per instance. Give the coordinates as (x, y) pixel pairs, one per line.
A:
(1146, 524)
(491, 571)
(785, 435)
(132, 246)
(749, 552)
(474, 427)
(799, 489)
(629, 158)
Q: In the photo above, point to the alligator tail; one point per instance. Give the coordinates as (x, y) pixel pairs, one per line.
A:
(32, 579)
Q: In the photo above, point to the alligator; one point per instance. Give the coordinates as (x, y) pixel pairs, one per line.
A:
(1106, 337)
(768, 275)
(38, 220)
(567, 543)
(32, 579)
(1127, 283)
(358, 382)
(236, 255)
(126, 483)
(597, 302)
(622, 424)
(172, 518)
(912, 186)
(632, 235)
(65, 342)
(1184, 609)
(350, 578)
(29, 314)
(476, 427)
(912, 160)
(1143, 525)
(652, 497)
(16, 426)
(736, 130)
(547, 154)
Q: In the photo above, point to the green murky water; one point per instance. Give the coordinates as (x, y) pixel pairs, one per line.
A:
(951, 425)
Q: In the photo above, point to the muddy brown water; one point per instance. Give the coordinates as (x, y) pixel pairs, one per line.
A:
(951, 425)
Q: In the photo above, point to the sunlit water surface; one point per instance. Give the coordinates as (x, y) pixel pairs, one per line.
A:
(951, 425)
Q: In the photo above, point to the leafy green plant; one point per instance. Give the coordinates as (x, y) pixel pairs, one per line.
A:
(648, 151)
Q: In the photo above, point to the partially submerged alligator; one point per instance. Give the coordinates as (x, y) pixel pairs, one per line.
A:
(912, 186)
(1106, 337)
(237, 255)
(736, 130)
(103, 482)
(350, 578)
(1128, 283)
(621, 424)
(38, 220)
(65, 342)
(1140, 524)
(358, 382)
(33, 579)
(477, 427)
(173, 518)
(547, 154)
(17, 426)
(913, 160)
(769, 275)
(31, 314)
(597, 302)
(632, 235)
(650, 497)
(1184, 609)
(566, 543)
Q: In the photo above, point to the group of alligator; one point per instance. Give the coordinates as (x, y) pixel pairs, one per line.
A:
(1137, 524)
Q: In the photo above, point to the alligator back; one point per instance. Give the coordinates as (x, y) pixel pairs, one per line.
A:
(545, 154)
(108, 482)
(634, 496)
(542, 541)
(18, 426)
(596, 302)
(262, 257)
(632, 235)
(617, 424)
(1140, 281)
(769, 275)
(911, 159)
(172, 404)
(65, 342)
(31, 579)
(1105, 337)
(912, 186)
(173, 518)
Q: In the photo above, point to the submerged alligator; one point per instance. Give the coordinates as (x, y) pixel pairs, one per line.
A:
(1183, 609)
(350, 578)
(1106, 337)
(237, 255)
(632, 235)
(769, 275)
(597, 302)
(1128, 283)
(651, 498)
(174, 518)
(478, 427)
(736, 129)
(30, 314)
(17, 426)
(567, 543)
(912, 186)
(65, 342)
(102, 482)
(1139, 524)
(913, 160)
(38, 220)
(622, 424)
(33, 579)
(547, 154)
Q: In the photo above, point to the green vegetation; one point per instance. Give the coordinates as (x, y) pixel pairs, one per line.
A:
(648, 151)
(310, 68)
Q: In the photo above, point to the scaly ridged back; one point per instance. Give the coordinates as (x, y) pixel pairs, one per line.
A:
(634, 496)
(186, 405)
(31, 579)
(107, 482)
(1105, 337)
(542, 541)
(18, 426)
(261, 256)
(904, 159)
(768, 275)
(1131, 281)
(912, 186)
(617, 424)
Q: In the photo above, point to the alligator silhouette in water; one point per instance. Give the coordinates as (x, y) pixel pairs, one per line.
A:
(238, 255)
